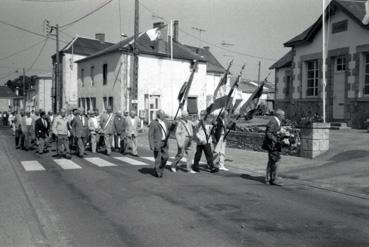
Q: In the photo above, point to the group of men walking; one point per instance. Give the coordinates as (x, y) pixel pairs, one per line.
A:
(193, 138)
(77, 131)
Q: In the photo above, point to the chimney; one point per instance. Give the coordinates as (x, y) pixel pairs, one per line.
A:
(158, 24)
(100, 37)
(175, 30)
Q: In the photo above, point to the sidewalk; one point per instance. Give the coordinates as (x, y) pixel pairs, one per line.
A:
(343, 169)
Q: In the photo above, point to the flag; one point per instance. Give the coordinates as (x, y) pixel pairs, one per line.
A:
(365, 20)
(154, 33)
(182, 91)
(248, 109)
(223, 81)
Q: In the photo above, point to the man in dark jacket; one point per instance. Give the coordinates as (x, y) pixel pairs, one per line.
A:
(80, 131)
(119, 127)
(273, 144)
(158, 131)
(42, 128)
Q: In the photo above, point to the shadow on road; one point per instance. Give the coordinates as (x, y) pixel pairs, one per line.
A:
(145, 171)
(260, 179)
(349, 155)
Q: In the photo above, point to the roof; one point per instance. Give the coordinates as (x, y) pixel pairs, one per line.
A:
(6, 92)
(85, 46)
(354, 9)
(146, 46)
(213, 65)
(249, 86)
(285, 61)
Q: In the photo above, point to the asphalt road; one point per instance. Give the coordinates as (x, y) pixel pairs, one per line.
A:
(124, 205)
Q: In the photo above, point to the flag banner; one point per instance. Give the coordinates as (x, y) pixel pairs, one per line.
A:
(182, 91)
(365, 19)
(234, 86)
(218, 104)
(222, 82)
(236, 107)
(248, 109)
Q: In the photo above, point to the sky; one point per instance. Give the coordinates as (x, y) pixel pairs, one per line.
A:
(256, 29)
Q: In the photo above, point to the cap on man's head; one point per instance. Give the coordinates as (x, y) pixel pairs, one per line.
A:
(184, 113)
(279, 112)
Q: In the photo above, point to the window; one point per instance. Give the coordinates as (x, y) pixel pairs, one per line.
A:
(92, 75)
(340, 26)
(83, 103)
(192, 105)
(105, 73)
(111, 103)
(105, 100)
(93, 103)
(341, 64)
(83, 77)
(312, 78)
(79, 102)
(87, 104)
(288, 86)
(366, 80)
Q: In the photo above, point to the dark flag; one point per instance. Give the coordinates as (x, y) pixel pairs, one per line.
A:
(185, 89)
(182, 91)
(228, 104)
(223, 81)
(249, 108)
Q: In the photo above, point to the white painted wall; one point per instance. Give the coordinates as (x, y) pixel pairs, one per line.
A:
(43, 97)
(70, 78)
(161, 76)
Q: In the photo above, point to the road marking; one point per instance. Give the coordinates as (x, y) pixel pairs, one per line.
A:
(131, 161)
(32, 165)
(67, 164)
(99, 162)
(149, 158)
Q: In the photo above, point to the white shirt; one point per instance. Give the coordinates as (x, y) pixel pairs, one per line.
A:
(133, 121)
(29, 121)
(163, 129)
(278, 121)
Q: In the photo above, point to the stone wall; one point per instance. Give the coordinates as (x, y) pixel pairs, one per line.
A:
(245, 140)
(359, 114)
(314, 139)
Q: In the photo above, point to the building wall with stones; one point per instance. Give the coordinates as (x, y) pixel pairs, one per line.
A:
(353, 45)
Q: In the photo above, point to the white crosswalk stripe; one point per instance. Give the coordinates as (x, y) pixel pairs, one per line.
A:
(32, 165)
(131, 161)
(99, 162)
(67, 164)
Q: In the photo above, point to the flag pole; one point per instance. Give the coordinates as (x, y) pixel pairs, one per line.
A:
(324, 58)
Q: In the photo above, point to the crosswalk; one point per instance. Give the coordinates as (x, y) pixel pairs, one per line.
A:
(77, 164)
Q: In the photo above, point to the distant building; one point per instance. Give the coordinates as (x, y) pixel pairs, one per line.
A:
(298, 74)
(7, 97)
(105, 78)
(76, 49)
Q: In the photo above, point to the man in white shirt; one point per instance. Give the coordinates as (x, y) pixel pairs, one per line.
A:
(94, 127)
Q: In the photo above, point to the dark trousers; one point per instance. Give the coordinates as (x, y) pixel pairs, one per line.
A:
(272, 166)
(18, 137)
(81, 142)
(161, 158)
(208, 154)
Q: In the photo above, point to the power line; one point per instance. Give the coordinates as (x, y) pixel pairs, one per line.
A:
(22, 50)
(38, 55)
(207, 42)
(86, 15)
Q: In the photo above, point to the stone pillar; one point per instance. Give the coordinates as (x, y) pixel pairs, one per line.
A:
(314, 139)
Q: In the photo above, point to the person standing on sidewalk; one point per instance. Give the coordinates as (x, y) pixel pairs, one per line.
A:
(107, 121)
(184, 137)
(273, 144)
(158, 132)
(42, 128)
(61, 130)
(203, 141)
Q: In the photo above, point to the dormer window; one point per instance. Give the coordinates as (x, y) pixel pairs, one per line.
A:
(339, 27)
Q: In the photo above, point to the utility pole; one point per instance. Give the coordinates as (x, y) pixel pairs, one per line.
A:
(133, 88)
(259, 65)
(24, 90)
(324, 58)
(58, 99)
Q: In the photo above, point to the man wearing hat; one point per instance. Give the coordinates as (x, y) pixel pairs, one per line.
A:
(107, 127)
(273, 144)
(80, 131)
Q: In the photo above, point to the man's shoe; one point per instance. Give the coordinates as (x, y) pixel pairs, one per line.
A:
(192, 171)
(172, 169)
(68, 157)
(276, 183)
(214, 170)
(223, 168)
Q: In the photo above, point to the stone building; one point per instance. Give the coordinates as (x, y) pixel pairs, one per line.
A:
(298, 74)
(105, 78)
